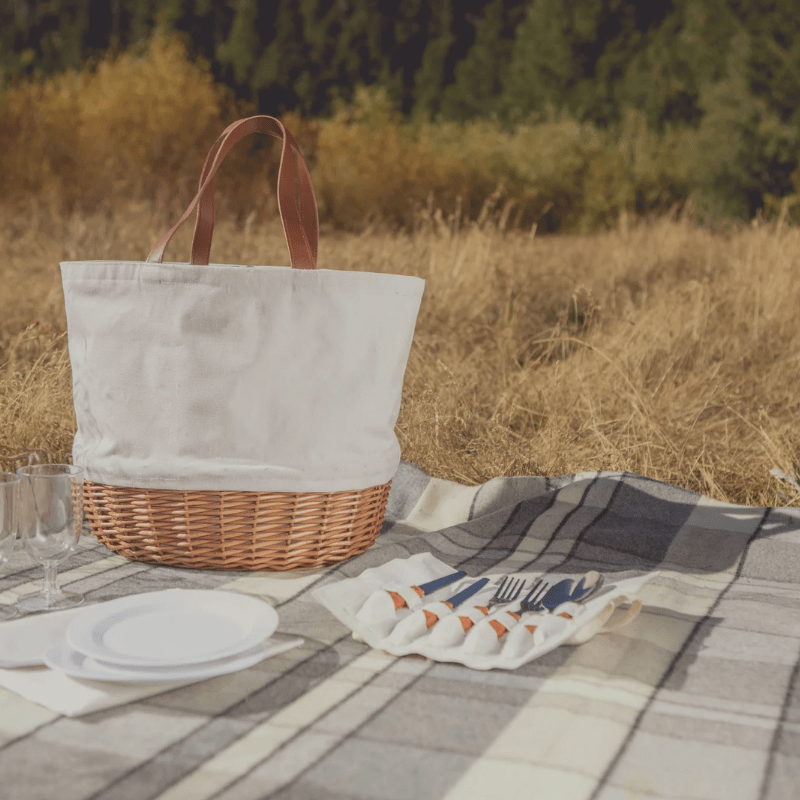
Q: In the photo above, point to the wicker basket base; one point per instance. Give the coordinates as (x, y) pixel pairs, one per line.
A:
(235, 530)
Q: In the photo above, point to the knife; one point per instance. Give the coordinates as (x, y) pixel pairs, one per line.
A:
(415, 625)
(456, 600)
(427, 588)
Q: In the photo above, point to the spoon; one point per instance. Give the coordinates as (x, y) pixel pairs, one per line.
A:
(568, 590)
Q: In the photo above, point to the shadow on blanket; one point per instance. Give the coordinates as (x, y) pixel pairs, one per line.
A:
(613, 522)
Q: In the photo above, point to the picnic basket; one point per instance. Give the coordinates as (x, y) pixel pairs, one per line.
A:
(233, 416)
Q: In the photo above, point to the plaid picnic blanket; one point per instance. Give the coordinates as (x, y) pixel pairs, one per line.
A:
(698, 698)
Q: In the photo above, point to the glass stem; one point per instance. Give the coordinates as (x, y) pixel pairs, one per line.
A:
(50, 588)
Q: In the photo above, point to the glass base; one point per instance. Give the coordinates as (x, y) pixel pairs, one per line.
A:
(8, 612)
(49, 602)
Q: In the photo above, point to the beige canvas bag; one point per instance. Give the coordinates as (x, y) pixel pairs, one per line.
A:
(238, 378)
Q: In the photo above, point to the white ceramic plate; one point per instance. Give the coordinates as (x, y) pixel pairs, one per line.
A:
(62, 657)
(172, 628)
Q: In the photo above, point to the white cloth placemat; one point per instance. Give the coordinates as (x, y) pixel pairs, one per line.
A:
(23, 641)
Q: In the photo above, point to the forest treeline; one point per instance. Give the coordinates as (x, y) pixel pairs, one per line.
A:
(726, 72)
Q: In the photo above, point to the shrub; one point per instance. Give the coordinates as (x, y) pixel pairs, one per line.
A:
(135, 126)
(138, 127)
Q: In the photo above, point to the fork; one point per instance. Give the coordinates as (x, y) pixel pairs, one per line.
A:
(534, 596)
(562, 592)
(508, 590)
(529, 603)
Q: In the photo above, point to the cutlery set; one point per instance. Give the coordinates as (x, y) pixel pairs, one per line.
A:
(420, 605)
(542, 598)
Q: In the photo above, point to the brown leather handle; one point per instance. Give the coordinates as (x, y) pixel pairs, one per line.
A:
(300, 223)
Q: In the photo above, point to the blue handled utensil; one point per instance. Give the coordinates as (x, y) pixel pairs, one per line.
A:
(587, 585)
(423, 619)
(567, 590)
(426, 588)
(439, 583)
(557, 594)
(465, 594)
(431, 618)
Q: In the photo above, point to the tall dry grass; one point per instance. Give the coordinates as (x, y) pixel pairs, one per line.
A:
(662, 348)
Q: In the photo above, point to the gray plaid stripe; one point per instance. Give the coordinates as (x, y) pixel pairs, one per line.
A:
(782, 772)
(671, 670)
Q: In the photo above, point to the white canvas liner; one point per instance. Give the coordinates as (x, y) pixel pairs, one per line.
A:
(233, 377)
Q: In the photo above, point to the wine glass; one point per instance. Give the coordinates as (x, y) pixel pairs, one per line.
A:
(8, 526)
(50, 520)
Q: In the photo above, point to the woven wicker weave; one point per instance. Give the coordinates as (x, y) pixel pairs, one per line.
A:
(235, 530)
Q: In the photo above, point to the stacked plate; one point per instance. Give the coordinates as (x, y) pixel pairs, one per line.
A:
(159, 637)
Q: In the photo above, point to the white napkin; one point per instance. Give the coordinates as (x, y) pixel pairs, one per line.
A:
(23, 641)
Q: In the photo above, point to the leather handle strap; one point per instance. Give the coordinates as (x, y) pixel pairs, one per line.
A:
(301, 230)
(300, 222)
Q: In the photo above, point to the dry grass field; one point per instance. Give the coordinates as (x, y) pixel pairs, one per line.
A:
(660, 348)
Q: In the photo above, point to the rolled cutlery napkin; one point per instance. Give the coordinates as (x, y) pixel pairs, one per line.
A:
(419, 622)
(386, 606)
(533, 635)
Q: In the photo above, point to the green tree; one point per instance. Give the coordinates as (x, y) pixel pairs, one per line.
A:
(569, 55)
(731, 71)
(42, 37)
(481, 74)
(432, 75)
(748, 140)
(305, 54)
(686, 52)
